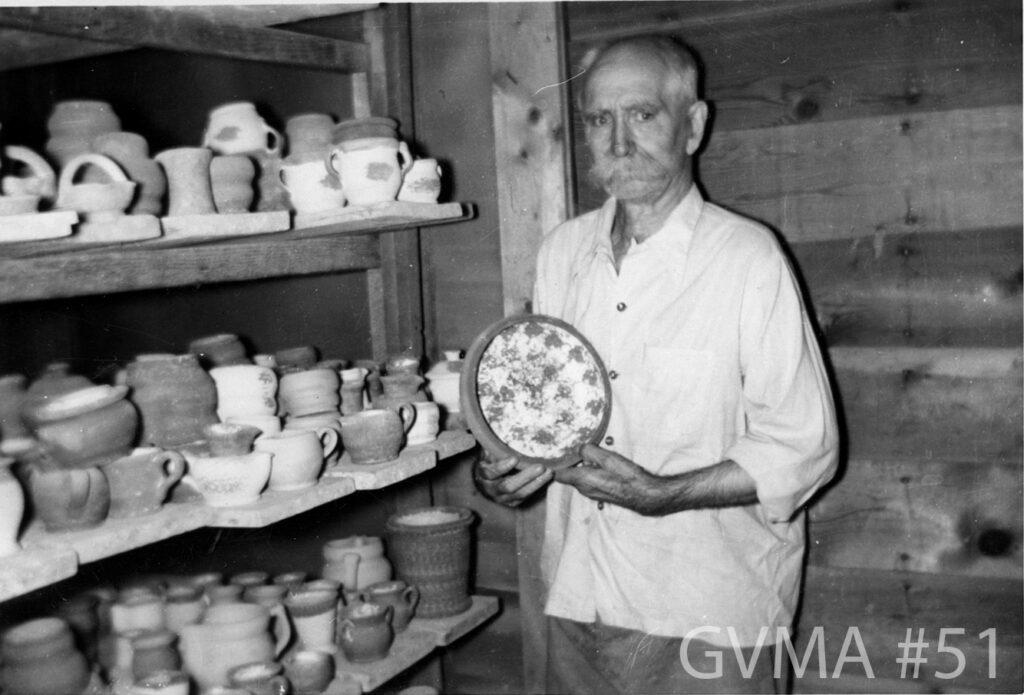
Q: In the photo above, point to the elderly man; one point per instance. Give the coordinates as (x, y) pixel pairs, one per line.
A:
(673, 553)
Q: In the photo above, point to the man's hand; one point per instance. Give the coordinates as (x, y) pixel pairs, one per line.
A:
(609, 477)
(503, 483)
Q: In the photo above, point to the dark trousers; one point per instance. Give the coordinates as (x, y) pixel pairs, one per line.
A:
(597, 659)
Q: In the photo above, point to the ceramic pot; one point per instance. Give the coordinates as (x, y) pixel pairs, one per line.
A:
(297, 357)
(131, 152)
(39, 179)
(138, 609)
(232, 177)
(12, 508)
(96, 201)
(376, 435)
(353, 396)
(311, 186)
(270, 194)
(430, 547)
(426, 424)
(268, 425)
(139, 482)
(56, 379)
(29, 652)
(309, 133)
(370, 169)
(188, 180)
(245, 390)
(299, 456)
(175, 396)
(309, 392)
(320, 424)
(183, 605)
(365, 633)
(88, 427)
(397, 594)
(237, 128)
(260, 678)
(230, 439)
(230, 481)
(422, 182)
(314, 615)
(229, 636)
(373, 385)
(74, 124)
(400, 388)
(366, 127)
(220, 350)
(310, 672)
(154, 651)
(356, 561)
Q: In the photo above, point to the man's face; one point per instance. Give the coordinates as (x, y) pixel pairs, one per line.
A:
(639, 128)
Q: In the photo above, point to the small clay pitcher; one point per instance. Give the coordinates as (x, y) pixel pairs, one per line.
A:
(376, 435)
(188, 179)
(397, 594)
(365, 633)
(299, 456)
(422, 182)
(140, 481)
(237, 128)
(260, 678)
(311, 186)
(357, 561)
(67, 500)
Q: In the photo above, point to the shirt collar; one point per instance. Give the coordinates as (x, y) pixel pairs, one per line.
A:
(675, 235)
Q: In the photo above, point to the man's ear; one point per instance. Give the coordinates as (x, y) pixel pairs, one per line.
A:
(698, 117)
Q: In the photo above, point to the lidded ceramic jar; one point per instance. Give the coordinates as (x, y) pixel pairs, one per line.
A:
(175, 396)
(29, 653)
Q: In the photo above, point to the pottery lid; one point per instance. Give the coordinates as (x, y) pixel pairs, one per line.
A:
(370, 127)
(81, 401)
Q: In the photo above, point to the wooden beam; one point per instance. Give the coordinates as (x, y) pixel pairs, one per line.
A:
(955, 289)
(922, 516)
(156, 27)
(954, 404)
(528, 98)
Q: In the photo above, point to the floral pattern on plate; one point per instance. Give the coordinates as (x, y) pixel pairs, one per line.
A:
(541, 390)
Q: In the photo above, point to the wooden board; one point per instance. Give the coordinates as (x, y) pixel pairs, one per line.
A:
(957, 404)
(882, 605)
(397, 214)
(190, 228)
(786, 61)
(923, 516)
(942, 289)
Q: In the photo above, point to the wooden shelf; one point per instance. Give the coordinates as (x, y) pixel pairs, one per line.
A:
(46, 558)
(415, 643)
(64, 268)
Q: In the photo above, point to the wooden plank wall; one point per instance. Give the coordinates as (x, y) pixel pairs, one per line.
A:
(882, 140)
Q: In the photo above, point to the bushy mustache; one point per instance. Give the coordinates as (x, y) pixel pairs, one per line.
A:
(608, 171)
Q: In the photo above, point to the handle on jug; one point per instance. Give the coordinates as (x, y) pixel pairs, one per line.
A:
(276, 139)
(403, 151)
(329, 440)
(282, 628)
(174, 468)
(411, 596)
(407, 412)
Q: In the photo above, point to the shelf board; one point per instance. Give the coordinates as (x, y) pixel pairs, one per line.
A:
(353, 219)
(32, 569)
(416, 642)
(64, 268)
(275, 506)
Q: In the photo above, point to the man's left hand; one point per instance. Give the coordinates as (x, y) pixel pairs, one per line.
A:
(609, 477)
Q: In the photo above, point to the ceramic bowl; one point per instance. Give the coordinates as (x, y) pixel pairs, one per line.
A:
(229, 481)
(87, 427)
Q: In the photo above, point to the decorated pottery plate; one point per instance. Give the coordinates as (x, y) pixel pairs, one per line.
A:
(534, 388)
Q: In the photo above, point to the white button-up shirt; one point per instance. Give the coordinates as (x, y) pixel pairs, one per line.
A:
(714, 359)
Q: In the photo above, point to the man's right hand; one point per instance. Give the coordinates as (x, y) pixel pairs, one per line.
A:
(504, 482)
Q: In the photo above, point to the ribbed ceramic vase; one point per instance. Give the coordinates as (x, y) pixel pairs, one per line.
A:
(188, 180)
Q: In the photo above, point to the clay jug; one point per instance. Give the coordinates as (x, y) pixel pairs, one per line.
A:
(12, 507)
(376, 435)
(365, 632)
(231, 177)
(188, 180)
(370, 169)
(397, 594)
(69, 499)
(370, 565)
(229, 636)
(30, 651)
(422, 182)
(237, 128)
(175, 396)
(131, 152)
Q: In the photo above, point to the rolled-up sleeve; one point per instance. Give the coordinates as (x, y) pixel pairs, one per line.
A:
(790, 445)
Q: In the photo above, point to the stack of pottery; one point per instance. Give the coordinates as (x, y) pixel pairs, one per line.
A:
(97, 200)
(175, 396)
(430, 547)
(369, 159)
(225, 469)
(238, 129)
(40, 658)
(231, 178)
(309, 133)
(311, 186)
(74, 125)
(189, 185)
(220, 350)
(131, 152)
(247, 394)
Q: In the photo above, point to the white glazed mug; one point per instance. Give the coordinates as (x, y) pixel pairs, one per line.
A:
(299, 456)
(237, 128)
(311, 186)
(370, 169)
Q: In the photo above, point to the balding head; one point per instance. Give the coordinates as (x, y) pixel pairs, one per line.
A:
(659, 52)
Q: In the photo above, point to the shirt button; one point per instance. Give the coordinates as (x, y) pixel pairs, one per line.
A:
(613, 374)
(621, 306)
(600, 505)
(609, 440)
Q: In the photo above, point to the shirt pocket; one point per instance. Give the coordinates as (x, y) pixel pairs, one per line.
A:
(673, 393)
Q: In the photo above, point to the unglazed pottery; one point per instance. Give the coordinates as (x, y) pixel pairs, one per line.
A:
(370, 169)
(398, 388)
(309, 671)
(365, 633)
(29, 652)
(189, 188)
(237, 128)
(245, 390)
(230, 481)
(356, 561)
(229, 636)
(260, 678)
(319, 423)
(232, 179)
(309, 132)
(376, 435)
(183, 605)
(38, 179)
(95, 201)
(230, 438)
(139, 482)
(88, 427)
(74, 124)
(314, 614)
(422, 182)
(309, 392)
(219, 350)
(131, 152)
(154, 651)
(299, 456)
(397, 594)
(175, 396)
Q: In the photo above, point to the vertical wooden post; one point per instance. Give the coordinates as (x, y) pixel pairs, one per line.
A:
(530, 105)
